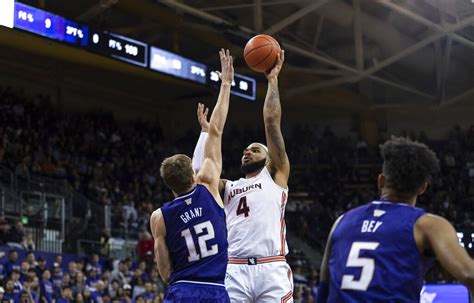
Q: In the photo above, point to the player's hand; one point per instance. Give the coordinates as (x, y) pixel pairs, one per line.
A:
(275, 71)
(227, 67)
(202, 112)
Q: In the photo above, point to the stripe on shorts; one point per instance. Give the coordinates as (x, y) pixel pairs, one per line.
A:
(287, 297)
(259, 261)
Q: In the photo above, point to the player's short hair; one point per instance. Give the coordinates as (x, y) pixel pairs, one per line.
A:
(407, 164)
(177, 172)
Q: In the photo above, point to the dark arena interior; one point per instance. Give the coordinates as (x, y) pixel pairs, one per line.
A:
(95, 94)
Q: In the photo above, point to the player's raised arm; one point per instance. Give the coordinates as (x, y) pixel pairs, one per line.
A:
(198, 154)
(437, 235)
(210, 171)
(279, 164)
(162, 256)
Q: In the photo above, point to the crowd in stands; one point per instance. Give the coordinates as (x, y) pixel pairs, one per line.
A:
(118, 164)
(83, 280)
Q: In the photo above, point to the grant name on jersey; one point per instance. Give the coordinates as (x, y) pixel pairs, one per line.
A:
(191, 214)
(237, 191)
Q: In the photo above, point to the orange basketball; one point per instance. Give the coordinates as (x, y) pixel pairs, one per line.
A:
(261, 52)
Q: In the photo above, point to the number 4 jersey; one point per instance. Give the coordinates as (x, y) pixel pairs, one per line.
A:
(374, 257)
(255, 210)
(196, 237)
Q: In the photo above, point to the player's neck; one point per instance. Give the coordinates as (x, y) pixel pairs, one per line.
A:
(253, 174)
(391, 196)
(185, 192)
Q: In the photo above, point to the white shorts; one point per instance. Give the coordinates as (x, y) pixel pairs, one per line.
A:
(266, 280)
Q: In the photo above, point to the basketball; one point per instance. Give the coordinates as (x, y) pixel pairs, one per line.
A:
(261, 52)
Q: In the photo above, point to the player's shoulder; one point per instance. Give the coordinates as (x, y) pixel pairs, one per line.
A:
(428, 221)
(156, 215)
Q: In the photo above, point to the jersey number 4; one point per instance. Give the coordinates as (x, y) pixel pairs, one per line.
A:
(243, 208)
(204, 251)
(367, 265)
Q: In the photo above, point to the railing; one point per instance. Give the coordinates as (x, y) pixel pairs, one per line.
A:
(51, 207)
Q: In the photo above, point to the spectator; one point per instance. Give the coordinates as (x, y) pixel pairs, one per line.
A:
(4, 231)
(148, 294)
(145, 247)
(31, 259)
(46, 288)
(94, 263)
(113, 288)
(57, 276)
(17, 233)
(24, 267)
(66, 295)
(28, 242)
(86, 295)
(11, 264)
(79, 284)
(72, 269)
(10, 292)
(58, 259)
(41, 267)
(17, 285)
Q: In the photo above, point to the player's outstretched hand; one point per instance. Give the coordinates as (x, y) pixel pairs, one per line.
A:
(227, 66)
(202, 112)
(275, 71)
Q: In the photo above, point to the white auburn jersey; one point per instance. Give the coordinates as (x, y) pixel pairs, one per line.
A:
(255, 215)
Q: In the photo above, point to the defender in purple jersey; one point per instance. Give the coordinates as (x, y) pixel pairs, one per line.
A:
(189, 232)
(379, 252)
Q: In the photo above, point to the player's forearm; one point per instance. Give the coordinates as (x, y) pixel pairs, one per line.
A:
(219, 115)
(272, 106)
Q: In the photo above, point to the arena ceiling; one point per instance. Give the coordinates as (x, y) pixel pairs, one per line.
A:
(394, 52)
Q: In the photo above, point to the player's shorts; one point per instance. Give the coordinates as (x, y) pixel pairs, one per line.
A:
(196, 292)
(259, 280)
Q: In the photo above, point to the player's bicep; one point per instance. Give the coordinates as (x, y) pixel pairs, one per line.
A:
(162, 257)
(209, 173)
(443, 242)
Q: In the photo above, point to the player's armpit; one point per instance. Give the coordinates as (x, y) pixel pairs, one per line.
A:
(162, 257)
(437, 235)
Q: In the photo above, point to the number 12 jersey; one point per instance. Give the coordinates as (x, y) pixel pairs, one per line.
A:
(196, 237)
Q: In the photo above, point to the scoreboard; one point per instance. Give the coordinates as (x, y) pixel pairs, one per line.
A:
(27, 18)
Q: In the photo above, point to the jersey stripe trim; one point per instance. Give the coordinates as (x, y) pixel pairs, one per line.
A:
(197, 282)
(259, 261)
(286, 297)
(186, 195)
(282, 223)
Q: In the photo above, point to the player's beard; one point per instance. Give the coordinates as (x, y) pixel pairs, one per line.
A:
(253, 167)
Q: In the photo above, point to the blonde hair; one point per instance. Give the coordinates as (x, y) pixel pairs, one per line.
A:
(177, 173)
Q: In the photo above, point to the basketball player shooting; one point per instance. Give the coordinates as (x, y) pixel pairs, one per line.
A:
(255, 210)
(379, 252)
(189, 232)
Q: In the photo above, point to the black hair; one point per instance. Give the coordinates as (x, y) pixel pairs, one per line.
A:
(407, 165)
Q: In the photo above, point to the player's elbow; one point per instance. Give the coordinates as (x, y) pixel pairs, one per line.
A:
(270, 119)
(215, 131)
(467, 277)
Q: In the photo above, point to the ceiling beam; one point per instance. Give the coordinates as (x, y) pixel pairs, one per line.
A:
(258, 16)
(248, 5)
(358, 39)
(97, 9)
(448, 29)
(445, 68)
(285, 45)
(368, 72)
(458, 98)
(275, 28)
